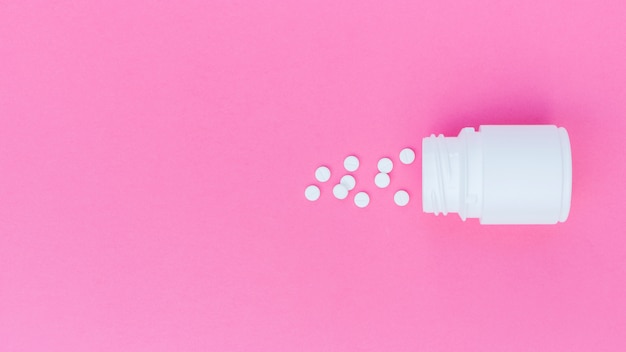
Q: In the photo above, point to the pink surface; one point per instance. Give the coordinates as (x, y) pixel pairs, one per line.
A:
(153, 158)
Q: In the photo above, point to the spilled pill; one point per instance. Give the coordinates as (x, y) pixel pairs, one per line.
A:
(312, 193)
(407, 156)
(401, 198)
(382, 180)
(351, 163)
(322, 174)
(385, 165)
(340, 191)
(361, 199)
(348, 181)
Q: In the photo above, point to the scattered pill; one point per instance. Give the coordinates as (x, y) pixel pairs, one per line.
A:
(361, 199)
(340, 191)
(382, 180)
(351, 163)
(385, 165)
(322, 174)
(401, 198)
(348, 181)
(312, 193)
(407, 156)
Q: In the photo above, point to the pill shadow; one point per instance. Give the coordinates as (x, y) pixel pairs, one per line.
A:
(521, 112)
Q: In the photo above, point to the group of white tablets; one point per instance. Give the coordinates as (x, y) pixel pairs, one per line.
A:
(348, 182)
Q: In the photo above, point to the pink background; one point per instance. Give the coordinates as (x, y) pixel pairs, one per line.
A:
(154, 154)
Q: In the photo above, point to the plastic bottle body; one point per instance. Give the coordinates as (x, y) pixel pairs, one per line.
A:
(508, 174)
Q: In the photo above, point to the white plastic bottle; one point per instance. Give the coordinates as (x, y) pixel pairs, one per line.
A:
(507, 174)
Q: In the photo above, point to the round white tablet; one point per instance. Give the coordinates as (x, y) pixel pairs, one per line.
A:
(385, 165)
(322, 174)
(361, 199)
(407, 156)
(401, 198)
(348, 181)
(382, 180)
(351, 163)
(340, 191)
(312, 193)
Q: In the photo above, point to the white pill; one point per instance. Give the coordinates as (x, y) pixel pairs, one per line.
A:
(322, 174)
(382, 180)
(340, 191)
(351, 163)
(361, 199)
(407, 156)
(348, 181)
(385, 165)
(312, 193)
(401, 198)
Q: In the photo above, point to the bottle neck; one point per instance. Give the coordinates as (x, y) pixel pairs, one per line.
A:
(452, 174)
